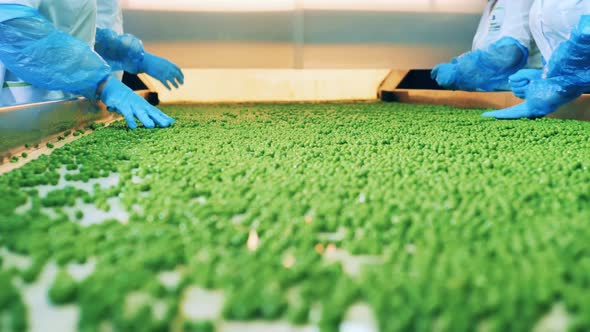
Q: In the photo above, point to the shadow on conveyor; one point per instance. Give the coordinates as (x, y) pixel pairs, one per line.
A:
(419, 79)
(415, 79)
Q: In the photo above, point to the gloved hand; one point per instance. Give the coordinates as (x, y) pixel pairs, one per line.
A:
(162, 70)
(543, 97)
(483, 70)
(519, 111)
(125, 52)
(521, 80)
(122, 100)
(566, 79)
(445, 75)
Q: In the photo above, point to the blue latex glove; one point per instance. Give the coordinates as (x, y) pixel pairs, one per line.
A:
(483, 70)
(566, 79)
(445, 75)
(521, 80)
(121, 99)
(37, 52)
(122, 52)
(543, 97)
(125, 52)
(162, 70)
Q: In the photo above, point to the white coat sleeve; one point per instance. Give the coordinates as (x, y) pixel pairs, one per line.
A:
(110, 15)
(516, 22)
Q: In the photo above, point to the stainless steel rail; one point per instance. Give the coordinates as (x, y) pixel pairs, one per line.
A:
(31, 123)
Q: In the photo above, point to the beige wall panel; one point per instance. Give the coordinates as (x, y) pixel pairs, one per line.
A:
(376, 56)
(268, 85)
(226, 55)
(286, 55)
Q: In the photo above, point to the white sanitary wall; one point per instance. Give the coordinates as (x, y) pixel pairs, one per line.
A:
(458, 6)
(345, 46)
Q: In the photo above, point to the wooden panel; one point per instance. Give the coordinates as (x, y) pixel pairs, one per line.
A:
(392, 80)
(461, 99)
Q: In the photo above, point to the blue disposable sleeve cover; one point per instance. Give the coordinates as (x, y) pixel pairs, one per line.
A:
(571, 59)
(489, 69)
(9, 12)
(34, 50)
(567, 75)
(122, 52)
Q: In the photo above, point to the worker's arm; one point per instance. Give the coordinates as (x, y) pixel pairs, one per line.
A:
(37, 52)
(566, 78)
(122, 52)
(34, 50)
(483, 70)
(125, 52)
(500, 48)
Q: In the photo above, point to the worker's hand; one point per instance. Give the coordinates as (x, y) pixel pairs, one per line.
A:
(521, 80)
(543, 97)
(121, 99)
(445, 75)
(162, 70)
(518, 112)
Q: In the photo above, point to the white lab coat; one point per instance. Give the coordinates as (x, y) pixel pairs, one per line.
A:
(110, 15)
(552, 22)
(78, 18)
(507, 18)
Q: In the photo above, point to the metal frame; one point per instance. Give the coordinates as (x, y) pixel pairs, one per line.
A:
(38, 123)
(35, 124)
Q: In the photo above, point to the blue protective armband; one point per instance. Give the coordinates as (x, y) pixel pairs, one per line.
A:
(489, 69)
(37, 52)
(122, 52)
(571, 59)
(9, 12)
